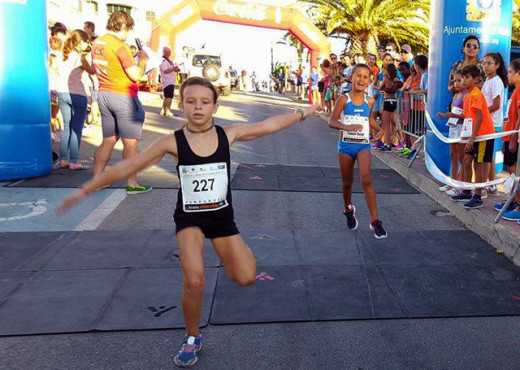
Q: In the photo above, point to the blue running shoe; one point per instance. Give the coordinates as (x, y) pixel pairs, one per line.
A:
(188, 355)
(514, 215)
(386, 148)
(512, 206)
(474, 203)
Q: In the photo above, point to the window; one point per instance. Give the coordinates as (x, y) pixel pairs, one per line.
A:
(150, 16)
(114, 8)
(92, 5)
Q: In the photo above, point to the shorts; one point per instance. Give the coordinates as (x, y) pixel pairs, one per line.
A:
(221, 230)
(483, 151)
(321, 86)
(328, 94)
(455, 131)
(509, 156)
(378, 102)
(121, 116)
(389, 105)
(352, 150)
(169, 91)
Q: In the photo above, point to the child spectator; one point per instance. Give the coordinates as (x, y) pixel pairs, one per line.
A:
(493, 90)
(314, 88)
(455, 121)
(510, 146)
(477, 116)
(390, 85)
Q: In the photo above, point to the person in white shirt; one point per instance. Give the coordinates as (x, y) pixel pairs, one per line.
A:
(167, 71)
(494, 90)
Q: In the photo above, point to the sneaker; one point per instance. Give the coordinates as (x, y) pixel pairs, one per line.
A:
(474, 203)
(131, 190)
(378, 145)
(483, 194)
(399, 147)
(405, 152)
(514, 215)
(512, 206)
(188, 355)
(493, 191)
(386, 148)
(445, 188)
(462, 197)
(377, 227)
(350, 214)
(452, 192)
(412, 153)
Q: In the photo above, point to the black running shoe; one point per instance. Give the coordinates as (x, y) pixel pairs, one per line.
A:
(377, 228)
(350, 214)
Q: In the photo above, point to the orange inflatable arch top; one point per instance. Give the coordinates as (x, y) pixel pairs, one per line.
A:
(249, 13)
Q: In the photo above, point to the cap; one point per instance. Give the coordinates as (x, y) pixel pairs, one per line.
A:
(407, 48)
(381, 47)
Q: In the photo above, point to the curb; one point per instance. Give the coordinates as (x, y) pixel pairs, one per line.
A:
(496, 234)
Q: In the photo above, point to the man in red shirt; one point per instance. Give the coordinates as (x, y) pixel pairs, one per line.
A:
(122, 115)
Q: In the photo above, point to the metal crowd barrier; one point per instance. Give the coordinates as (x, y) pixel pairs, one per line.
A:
(410, 114)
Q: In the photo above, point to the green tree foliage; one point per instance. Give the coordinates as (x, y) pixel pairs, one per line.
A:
(372, 22)
(515, 41)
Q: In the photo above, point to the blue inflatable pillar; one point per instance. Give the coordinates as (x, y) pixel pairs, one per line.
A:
(450, 23)
(25, 142)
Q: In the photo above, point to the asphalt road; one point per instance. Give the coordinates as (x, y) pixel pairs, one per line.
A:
(444, 343)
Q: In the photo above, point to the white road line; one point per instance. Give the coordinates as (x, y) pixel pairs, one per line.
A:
(97, 216)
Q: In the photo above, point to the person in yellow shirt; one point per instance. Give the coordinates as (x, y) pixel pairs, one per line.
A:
(476, 115)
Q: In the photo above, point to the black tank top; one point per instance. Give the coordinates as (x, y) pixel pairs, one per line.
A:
(186, 157)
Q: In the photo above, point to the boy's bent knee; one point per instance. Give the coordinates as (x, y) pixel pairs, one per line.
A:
(194, 285)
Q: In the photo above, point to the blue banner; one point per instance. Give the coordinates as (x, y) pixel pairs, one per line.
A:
(25, 142)
(451, 22)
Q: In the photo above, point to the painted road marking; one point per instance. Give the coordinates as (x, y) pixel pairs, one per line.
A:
(264, 276)
(37, 208)
(97, 216)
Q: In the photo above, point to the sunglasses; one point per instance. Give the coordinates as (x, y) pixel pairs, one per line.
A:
(333, 57)
(469, 45)
(389, 49)
(404, 52)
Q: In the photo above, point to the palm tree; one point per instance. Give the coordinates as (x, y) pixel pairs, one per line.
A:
(515, 40)
(369, 22)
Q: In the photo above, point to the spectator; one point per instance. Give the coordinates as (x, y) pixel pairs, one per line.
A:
(372, 64)
(72, 97)
(122, 115)
(314, 86)
(292, 81)
(381, 51)
(404, 69)
(390, 85)
(421, 66)
(90, 29)
(326, 95)
(336, 78)
(470, 49)
(406, 54)
(391, 49)
(378, 96)
(167, 71)
(281, 81)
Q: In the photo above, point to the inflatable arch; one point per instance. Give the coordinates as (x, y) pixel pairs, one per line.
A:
(248, 13)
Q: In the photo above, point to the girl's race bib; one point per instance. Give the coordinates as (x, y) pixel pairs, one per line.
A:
(356, 136)
(453, 121)
(204, 187)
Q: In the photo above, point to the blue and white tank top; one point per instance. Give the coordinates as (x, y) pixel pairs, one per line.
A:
(352, 109)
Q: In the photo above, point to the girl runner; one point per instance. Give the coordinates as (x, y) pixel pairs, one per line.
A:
(354, 145)
(204, 207)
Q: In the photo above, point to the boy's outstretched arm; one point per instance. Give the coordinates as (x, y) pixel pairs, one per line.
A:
(121, 170)
(245, 132)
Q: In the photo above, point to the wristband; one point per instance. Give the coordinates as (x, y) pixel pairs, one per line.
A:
(85, 191)
(299, 110)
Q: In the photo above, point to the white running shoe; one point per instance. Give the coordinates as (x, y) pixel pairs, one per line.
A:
(452, 192)
(493, 191)
(483, 194)
(444, 188)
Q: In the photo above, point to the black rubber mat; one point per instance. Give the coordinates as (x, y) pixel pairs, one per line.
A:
(248, 177)
(131, 280)
(313, 179)
(347, 275)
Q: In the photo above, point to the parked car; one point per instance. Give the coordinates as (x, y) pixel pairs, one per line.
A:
(210, 67)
